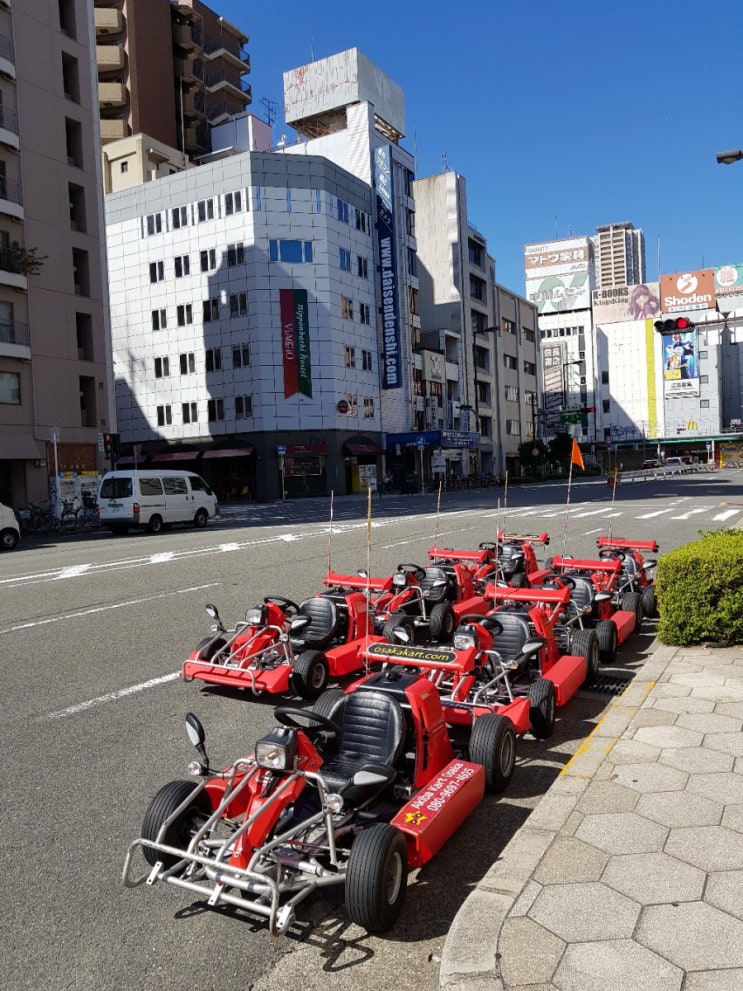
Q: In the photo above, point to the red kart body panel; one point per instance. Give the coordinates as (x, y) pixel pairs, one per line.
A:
(567, 674)
(639, 545)
(625, 623)
(517, 711)
(476, 604)
(434, 814)
(272, 680)
(357, 582)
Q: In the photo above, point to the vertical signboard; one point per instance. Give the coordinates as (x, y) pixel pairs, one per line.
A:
(295, 342)
(680, 370)
(391, 357)
(554, 393)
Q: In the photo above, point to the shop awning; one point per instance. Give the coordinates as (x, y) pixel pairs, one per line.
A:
(362, 447)
(306, 448)
(228, 452)
(128, 459)
(20, 447)
(176, 456)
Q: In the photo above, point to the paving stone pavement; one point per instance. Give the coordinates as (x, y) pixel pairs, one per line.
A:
(628, 876)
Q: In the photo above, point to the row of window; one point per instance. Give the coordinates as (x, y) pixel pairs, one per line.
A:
(347, 311)
(235, 255)
(350, 358)
(368, 406)
(227, 204)
(215, 411)
(212, 361)
(237, 306)
(560, 332)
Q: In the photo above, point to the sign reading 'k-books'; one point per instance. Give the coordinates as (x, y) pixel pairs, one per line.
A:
(295, 342)
(391, 359)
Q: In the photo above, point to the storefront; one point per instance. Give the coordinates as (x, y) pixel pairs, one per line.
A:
(302, 469)
(415, 459)
(361, 466)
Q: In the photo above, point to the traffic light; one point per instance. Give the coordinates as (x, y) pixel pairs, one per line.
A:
(589, 409)
(110, 445)
(674, 325)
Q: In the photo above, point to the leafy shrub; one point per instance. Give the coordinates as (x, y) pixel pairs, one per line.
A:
(700, 591)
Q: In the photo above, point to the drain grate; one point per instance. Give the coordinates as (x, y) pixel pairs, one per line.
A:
(607, 685)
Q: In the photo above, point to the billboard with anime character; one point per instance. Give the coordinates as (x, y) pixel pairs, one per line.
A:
(680, 367)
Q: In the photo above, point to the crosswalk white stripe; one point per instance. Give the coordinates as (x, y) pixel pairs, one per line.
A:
(650, 516)
(692, 512)
(726, 514)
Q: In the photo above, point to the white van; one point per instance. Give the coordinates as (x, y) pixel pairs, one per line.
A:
(10, 532)
(154, 500)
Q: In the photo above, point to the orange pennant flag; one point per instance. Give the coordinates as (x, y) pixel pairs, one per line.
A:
(576, 457)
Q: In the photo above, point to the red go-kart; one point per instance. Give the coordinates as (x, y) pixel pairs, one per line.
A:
(354, 798)
(636, 571)
(283, 647)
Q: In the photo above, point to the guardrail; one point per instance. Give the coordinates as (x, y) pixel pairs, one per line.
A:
(645, 474)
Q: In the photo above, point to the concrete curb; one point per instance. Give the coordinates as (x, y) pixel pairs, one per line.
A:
(470, 958)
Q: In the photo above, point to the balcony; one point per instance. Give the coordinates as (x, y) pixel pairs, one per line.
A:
(108, 20)
(11, 198)
(111, 94)
(194, 105)
(186, 37)
(14, 339)
(113, 130)
(110, 58)
(190, 71)
(7, 57)
(231, 81)
(9, 128)
(12, 271)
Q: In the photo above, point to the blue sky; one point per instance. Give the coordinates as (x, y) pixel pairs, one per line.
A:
(559, 116)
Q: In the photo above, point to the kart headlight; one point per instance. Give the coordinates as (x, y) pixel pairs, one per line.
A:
(334, 802)
(400, 579)
(278, 750)
(464, 638)
(254, 617)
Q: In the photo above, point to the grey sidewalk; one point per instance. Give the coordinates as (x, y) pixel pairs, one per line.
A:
(628, 876)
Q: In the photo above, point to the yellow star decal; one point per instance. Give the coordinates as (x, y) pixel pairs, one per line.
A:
(416, 818)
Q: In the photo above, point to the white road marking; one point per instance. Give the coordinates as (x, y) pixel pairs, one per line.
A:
(587, 533)
(162, 558)
(72, 710)
(692, 512)
(726, 515)
(593, 512)
(72, 572)
(229, 547)
(97, 609)
(650, 516)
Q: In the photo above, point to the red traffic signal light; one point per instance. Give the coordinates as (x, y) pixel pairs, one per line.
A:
(674, 325)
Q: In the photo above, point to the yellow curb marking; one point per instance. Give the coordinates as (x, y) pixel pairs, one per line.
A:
(585, 747)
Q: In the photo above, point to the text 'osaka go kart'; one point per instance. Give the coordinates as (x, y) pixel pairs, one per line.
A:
(353, 793)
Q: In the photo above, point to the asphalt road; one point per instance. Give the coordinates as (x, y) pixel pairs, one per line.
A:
(92, 632)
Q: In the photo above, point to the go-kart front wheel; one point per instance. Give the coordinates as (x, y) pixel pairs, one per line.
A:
(542, 708)
(309, 674)
(442, 623)
(586, 645)
(376, 878)
(180, 831)
(493, 744)
(608, 639)
(649, 602)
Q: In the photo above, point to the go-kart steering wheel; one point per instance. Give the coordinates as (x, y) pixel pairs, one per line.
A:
(286, 604)
(489, 622)
(487, 545)
(566, 580)
(287, 715)
(612, 552)
(413, 569)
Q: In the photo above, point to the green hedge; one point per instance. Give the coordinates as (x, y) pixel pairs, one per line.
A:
(700, 591)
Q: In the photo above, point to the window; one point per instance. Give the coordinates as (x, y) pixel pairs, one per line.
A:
(362, 267)
(205, 210)
(76, 198)
(606, 405)
(157, 271)
(475, 254)
(233, 202)
(164, 416)
(188, 363)
(257, 197)
(10, 389)
(124, 167)
(241, 356)
(159, 320)
(349, 356)
(529, 335)
(513, 428)
(179, 217)
(211, 310)
(605, 378)
(342, 211)
(704, 403)
(70, 77)
(510, 362)
(507, 326)
(215, 410)
(154, 224)
(362, 222)
(512, 393)
(368, 407)
(190, 412)
(74, 142)
(366, 360)
(182, 266)
(364, 313)
(162, 368)
(243, 407)
(80, 272)
(346, 308)
(288, 199)
(185, 314)
(702, 354)
(150, 486)
(477, 288)
(530, 368)
(703, 379)
(213, 360)
(235, 255)
(318, 201)
(412, 263)
(208, 260)
(291, 252)
(238, 304)
(345, 259)
(175, 486)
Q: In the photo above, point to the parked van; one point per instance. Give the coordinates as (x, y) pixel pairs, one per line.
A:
(154, 500)
(10, 532)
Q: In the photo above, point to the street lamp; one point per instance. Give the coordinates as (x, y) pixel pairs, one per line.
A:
(728, 157)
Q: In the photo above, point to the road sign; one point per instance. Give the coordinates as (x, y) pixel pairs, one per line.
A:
(570, 418)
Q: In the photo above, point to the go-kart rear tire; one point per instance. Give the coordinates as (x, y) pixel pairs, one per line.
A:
(632, 602)
(649, 602)
(210, 647)
(376, 877)
(325, 704)
(493, 744)
(179, 832)
(442, 623)
(586, 645)
(309, 676)
(608, 638)
(399, 619)
(542, 708)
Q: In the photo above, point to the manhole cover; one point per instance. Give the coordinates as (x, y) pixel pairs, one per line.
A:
(607, 685)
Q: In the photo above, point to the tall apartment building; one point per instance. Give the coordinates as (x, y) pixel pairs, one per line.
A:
(485, 334)
(619, 255)
(168, 70)
(54, 363)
